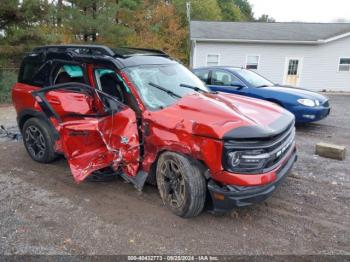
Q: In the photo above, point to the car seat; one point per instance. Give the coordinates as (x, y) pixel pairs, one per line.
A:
(226, 80)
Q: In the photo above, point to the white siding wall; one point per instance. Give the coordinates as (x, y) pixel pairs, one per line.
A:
(319, 69)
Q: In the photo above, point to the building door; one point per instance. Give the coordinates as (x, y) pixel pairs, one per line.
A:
(292, 71)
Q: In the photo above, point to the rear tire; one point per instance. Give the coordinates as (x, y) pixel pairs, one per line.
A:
(181, 185)
(38, 140)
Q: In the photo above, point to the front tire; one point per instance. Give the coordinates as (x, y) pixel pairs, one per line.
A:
(181, 185)
(38, 140)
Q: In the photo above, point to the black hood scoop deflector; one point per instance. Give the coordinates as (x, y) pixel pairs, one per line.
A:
(255, 132)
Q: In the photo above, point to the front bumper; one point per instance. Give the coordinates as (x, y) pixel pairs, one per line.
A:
(225, 198)
(312, 114)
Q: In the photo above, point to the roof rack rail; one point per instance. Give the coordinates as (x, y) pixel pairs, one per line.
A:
(132, 51)
(123, 52)
(149, 50)
(78, 49)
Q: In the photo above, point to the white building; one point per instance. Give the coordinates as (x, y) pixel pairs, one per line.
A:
(315, 56)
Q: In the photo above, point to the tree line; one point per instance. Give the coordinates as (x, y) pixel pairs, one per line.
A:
(161, 24)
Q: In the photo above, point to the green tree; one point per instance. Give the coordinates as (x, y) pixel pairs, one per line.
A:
(200, 10)
(17, 15)
(97, 20)
(23, 24)
(156, 25)
(205, 10)
(9, 13)
(246, 9)
(230, 11)
(266, 18)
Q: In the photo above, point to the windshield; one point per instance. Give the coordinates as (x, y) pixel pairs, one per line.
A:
(254, 79)
(153, 82)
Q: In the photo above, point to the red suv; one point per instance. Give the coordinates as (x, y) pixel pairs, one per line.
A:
(143, 116)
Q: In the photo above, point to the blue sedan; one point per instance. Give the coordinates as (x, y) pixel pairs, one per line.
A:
(307, 106)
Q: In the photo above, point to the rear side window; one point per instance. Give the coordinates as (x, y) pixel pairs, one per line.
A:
(222, 78)
(34, 73)
(66, 73)
(203, 75)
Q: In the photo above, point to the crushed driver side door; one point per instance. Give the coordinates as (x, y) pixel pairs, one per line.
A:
(96, 130)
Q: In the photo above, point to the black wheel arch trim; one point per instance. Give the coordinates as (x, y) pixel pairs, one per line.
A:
(25, 114)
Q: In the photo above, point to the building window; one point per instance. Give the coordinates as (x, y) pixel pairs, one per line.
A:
(252, 62)
(293, 67)
(212, 60)
(344, 65)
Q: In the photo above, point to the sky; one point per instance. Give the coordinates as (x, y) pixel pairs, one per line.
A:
(303, 10)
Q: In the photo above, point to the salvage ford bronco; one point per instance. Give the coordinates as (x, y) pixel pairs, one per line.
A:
(143, 116)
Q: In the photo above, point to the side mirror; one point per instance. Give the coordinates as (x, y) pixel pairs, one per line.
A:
(237, 84)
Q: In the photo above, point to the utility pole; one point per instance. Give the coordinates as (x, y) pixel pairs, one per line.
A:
(190, 44)
(188, 10)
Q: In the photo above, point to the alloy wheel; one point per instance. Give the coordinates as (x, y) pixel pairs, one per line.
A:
(172, 183)
(35, 142)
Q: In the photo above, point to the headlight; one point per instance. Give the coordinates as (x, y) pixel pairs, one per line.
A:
(309, 102)
(246, 160)
(234, 159)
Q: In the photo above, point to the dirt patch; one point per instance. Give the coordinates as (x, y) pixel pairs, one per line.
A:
(43, 211)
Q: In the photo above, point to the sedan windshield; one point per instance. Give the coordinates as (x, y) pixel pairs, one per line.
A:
(254, 79)
(162, 85)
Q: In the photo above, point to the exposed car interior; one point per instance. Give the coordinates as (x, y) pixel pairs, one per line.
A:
(111, 85)
(68, 74)
(108, 82)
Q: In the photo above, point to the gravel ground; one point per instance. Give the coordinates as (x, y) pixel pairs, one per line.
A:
(43, 211)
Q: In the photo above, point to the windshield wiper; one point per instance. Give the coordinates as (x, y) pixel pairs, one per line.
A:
(262, 86)
(169, 92)
(197, 89)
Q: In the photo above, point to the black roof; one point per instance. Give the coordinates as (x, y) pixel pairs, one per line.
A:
(121, 57)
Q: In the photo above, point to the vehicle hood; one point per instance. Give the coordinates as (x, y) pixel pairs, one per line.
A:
(225, 116)
(297, 93)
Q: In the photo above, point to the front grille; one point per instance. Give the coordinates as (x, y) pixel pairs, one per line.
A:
(276, 148)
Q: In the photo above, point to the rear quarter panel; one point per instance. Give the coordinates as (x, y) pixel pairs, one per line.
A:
(23, 99)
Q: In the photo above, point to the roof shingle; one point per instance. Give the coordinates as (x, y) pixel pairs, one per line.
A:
(256, 31)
